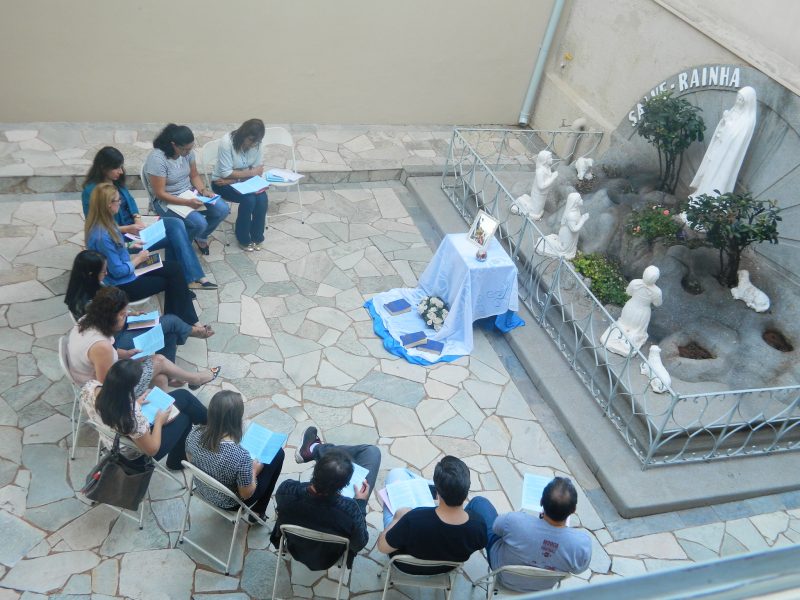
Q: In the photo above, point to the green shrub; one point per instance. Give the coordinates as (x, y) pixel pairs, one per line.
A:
(607, 282)
(652, 222)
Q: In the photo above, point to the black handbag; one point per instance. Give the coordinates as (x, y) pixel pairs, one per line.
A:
(118, 480)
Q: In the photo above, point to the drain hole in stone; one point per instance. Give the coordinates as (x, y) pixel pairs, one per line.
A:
(691, 284)
(694, 351)
(777, 340)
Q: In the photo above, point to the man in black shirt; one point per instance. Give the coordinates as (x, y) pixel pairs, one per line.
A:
(446, 532)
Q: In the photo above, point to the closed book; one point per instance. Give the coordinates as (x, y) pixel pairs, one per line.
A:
(397, 307)
(412, 340)
(432, 347)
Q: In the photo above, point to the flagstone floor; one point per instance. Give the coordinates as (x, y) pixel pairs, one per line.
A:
(293, 337)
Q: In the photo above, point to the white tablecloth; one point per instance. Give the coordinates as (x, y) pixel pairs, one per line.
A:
(472, 289)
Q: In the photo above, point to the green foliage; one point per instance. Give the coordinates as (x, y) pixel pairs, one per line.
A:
(652, 222)
(732, 222)
(671, 125)
(608, 284)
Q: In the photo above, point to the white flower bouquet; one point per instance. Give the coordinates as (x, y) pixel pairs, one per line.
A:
(433, 311)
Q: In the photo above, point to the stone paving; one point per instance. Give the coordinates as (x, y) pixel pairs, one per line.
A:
(293, 337)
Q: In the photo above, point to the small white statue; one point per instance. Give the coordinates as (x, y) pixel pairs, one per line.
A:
(565, 243)
(635, 317)
(725, 153)
(655, 371)
(584, 168)
(750, 294)
(544, 179)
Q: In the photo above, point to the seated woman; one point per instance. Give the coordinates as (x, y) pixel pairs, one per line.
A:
(85, 280)
(103, 236)
(108, 167)
(171, 170)
(91, 352)
(116, 405)
(239, 158)
(214, 449)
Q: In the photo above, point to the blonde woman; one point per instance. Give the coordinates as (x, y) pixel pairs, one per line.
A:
(103, 236)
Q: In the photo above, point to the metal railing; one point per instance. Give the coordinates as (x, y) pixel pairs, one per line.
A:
(660, 428)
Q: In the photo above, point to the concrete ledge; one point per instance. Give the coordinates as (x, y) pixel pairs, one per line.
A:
(634, 492)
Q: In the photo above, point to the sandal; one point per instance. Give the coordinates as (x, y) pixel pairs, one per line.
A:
(203, 249)
(214, 374)
(246, 247)
(257, 246)
(203, 285)
(201, 331)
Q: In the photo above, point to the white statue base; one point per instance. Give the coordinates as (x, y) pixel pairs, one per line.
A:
(525, 206)
(550, 245)
(660, 379)
(614, 340)
(583, 166)
(750, 294)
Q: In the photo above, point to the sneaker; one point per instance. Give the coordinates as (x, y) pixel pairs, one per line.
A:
(246, 247)
(303, 452)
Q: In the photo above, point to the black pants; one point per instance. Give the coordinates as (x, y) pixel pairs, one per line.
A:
(265, 484)
(168, 279)
(173, 434)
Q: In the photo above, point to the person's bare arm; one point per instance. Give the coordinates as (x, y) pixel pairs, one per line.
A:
(159, 184)
(101, 355)
(150, 442)
(382, 545)
(246, 491)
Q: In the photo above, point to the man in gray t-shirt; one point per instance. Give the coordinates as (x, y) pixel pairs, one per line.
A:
(543, 541)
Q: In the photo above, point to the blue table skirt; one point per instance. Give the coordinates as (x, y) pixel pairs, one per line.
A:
(504, 322)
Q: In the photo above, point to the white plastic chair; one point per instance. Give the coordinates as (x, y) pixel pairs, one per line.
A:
(439, 581)
(234, 517)
(552, 578)
(278, 136)
(206, 160)
(317, 536)
(75, 420)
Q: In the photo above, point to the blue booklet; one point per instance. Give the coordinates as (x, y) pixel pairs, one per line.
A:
(397, 307)
(157, 400)
(152, 235)
(211, 200)
(261, 443)
(431, 347)
(144, 321)
(251, 186)
(359, 476)
(149, 343)
(411, 340)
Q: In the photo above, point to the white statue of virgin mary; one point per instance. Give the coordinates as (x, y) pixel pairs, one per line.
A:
(725, 153)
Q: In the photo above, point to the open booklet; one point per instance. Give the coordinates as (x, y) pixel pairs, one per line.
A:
(157, 400)
(149, 342)
(261, 443)
(408, 493)
(183, 210)
(151, 263)
(254, 185)
(532, 489)
(358, 478)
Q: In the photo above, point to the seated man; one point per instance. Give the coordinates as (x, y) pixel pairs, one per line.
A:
(446, 532)
(320, 506)
(544, 541)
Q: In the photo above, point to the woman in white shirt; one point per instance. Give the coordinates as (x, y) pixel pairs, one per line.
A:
(238, 159)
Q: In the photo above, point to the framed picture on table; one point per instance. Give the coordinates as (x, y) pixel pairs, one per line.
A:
(482, 230)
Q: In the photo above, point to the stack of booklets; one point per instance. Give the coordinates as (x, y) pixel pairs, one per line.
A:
(261, 443)
(283, 176)
(419, 341)
(151, 263)
(144, 321)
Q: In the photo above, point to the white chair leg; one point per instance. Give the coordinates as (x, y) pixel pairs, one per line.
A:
(386, 583)
(278, 566)
(76, 432)
(185, 515)
(233, 540)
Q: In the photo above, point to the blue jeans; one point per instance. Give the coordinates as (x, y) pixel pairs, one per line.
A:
(252, 217)
(175, 334)
(179, 249)
(481, 506)
(199, 227)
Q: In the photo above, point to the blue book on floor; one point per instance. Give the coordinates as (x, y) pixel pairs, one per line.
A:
(397, 307)
(431, 346)
(411, 340)
(261, 443)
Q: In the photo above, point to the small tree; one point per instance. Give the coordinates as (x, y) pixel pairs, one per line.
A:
(671, 125)
(731, 223)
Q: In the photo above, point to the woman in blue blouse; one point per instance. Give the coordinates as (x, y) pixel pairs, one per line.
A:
(238, 159)
(108, 167)
(103, 236)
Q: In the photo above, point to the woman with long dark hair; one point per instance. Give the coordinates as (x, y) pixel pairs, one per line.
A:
(214, 449)
(109, 167)
(171, 171)
(115, 404)
(238, 159)
(85, 280)
(103, 236)
(91, 352)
